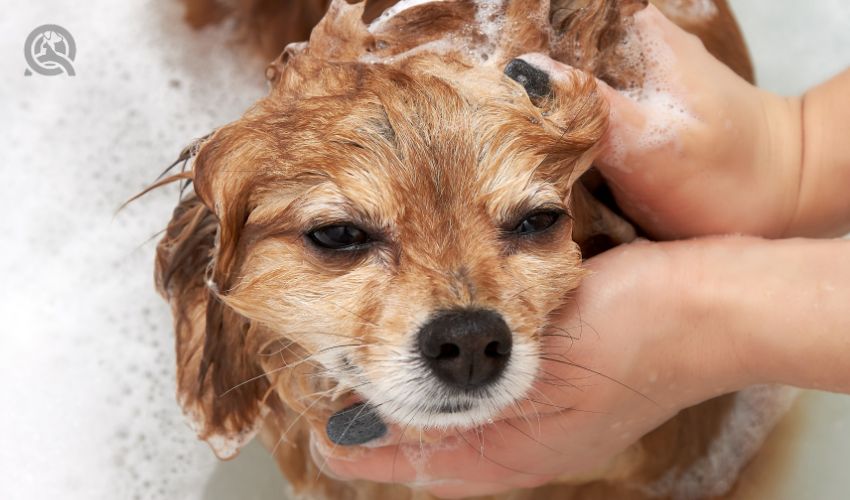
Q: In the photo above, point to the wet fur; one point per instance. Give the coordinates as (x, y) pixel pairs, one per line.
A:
(428, 148)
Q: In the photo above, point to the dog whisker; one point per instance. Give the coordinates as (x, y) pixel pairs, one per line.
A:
(535, 440)
(400, 438)
(291, 343)
(496, 463)
(595, 372)
(292, 424)
(291, 365)
(520, 413)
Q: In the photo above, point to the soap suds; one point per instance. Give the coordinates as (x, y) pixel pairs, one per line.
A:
(692, 10)
(87, 348)
(755, 412)
(419, 456)
(401, 6)
(479, 49)
(224, 446)
(490, 21)
(666, 114)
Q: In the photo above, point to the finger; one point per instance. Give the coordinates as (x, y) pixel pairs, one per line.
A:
(502, 453)
(387, 464)
(648, 119)
(627, 122)
(655, 27)
(627, 117)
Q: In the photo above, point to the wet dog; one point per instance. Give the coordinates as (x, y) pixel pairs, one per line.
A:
(393, 225)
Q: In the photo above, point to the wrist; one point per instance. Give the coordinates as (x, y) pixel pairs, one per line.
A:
(781, 158)
(823, 209)
(772, 311)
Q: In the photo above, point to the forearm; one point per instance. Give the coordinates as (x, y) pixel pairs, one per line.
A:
(823, 207)
(780, 310)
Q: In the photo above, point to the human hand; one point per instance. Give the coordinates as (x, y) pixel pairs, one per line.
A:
(605, 381)
(655, 328)
(698, 150)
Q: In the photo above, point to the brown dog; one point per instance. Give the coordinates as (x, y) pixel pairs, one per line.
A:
(396, 222)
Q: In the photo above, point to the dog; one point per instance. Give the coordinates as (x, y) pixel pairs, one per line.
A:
(408, 182)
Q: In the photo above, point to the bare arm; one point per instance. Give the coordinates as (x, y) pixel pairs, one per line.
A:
(783, 307)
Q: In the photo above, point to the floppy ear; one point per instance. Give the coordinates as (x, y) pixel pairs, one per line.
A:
(218, 381)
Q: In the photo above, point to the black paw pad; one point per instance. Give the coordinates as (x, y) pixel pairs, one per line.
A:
(534, 81)
(355, 425)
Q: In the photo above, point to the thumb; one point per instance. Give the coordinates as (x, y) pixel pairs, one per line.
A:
(627, 121)
(627, 118)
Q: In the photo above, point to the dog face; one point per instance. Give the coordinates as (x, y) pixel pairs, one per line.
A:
(410, 233)
(390, 223)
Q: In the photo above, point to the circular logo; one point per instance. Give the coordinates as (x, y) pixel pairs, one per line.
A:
(50, 50)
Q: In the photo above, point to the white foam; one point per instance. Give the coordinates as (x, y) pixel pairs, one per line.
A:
(401, 6)
(667, 115)
(754, 414)
(488, 22)
(420, 455)
(440, 46)
(693, 10)
(223, 445)
(86, 347)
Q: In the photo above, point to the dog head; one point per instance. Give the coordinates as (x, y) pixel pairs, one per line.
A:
(397, 228)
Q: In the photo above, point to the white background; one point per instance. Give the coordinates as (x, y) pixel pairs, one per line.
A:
(87, 406)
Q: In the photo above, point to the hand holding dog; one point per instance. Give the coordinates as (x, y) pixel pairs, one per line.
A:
(655, 328)
(599, 390)
(728, 157)
(659, 327)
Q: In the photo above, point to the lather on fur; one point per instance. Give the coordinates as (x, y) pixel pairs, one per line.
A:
(408, 129)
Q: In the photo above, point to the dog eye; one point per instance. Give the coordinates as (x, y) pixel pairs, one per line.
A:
(339, 237)
(537, 222)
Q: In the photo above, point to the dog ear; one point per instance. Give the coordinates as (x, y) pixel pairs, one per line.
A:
(219, 383)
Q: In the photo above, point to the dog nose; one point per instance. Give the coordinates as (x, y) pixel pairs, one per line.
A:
(466, 348)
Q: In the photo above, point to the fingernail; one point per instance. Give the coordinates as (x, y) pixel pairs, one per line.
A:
(534, 80)
(355, 425)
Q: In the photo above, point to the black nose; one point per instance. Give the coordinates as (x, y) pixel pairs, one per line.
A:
(466, 348)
